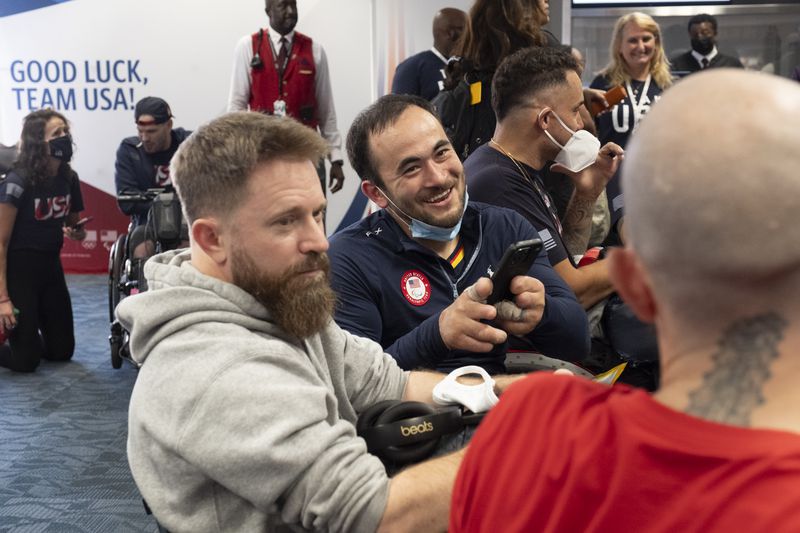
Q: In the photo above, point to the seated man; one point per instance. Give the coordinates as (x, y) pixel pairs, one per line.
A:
(401, 273)
(143, 161)
(717, 448)
(242, 416)
(537, 97)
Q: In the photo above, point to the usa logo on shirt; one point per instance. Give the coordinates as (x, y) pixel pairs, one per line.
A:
(415, 287)
(162, 175)
(49, 208)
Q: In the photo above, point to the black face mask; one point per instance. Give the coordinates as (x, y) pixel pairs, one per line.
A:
(61, 148)
(703, 45)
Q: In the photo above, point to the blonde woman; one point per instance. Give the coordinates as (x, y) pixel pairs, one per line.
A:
(639, 65)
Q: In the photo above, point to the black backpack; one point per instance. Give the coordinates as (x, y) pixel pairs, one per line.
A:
(468, 125)
(7, 156)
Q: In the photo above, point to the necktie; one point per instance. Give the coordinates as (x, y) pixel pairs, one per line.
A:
(282, 53)
(705, 62)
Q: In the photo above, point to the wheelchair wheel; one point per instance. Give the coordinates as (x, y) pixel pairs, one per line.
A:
(115, 340)
(116, 261)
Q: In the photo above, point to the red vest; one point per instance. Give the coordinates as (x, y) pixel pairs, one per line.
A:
(299, 87)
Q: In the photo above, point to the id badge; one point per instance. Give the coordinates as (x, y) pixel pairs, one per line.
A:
(279, 108)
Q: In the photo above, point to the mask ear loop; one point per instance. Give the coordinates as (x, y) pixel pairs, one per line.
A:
(553, 139)
(394, 205)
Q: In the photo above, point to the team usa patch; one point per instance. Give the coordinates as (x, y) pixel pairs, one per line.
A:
(416, 287)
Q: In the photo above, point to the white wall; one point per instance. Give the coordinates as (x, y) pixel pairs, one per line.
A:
(184, 50)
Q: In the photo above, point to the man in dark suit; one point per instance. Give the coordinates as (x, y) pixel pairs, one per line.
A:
(704, 53)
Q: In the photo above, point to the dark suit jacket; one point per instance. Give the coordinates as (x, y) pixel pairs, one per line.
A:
(687, 62)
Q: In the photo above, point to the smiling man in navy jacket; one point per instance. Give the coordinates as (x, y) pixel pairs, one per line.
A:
(412, 276)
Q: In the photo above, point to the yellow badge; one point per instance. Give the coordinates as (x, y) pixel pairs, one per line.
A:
(475, 90)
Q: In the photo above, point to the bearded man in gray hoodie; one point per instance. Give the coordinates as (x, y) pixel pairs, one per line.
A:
(242, 417)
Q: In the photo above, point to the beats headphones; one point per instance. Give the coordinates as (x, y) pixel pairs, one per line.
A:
(400, 433)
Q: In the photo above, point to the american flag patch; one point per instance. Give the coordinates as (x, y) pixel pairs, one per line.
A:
(13, 190)
(547, 239)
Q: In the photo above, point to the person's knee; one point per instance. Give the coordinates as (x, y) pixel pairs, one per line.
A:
(16, 361)
(140, 244)
(26, 365)
(144, 249)
(59, 355)
(61, 350)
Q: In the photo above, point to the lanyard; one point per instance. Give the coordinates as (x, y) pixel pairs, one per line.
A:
(638, 107)
(438, 54)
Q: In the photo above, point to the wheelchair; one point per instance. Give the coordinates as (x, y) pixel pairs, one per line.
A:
(166, 230)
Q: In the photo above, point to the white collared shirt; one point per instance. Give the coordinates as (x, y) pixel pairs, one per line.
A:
(699, 57)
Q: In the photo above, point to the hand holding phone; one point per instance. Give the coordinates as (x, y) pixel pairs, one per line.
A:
(516, 261)
(613, 96)
(83, 221)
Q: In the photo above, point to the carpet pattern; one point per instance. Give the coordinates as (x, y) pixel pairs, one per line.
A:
(63, 466)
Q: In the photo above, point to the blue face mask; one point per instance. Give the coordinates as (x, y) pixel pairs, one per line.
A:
(422, 230)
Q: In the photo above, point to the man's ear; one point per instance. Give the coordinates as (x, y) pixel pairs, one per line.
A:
(207, 234)
(372, 192)
(542, 117)
(632, 283)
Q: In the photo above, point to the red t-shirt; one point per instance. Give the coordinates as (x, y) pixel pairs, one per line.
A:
(565, 454)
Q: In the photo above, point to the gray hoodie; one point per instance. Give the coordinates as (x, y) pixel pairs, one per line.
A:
(236, 426)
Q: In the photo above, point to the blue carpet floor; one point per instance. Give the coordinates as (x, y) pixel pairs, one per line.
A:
(63, 466)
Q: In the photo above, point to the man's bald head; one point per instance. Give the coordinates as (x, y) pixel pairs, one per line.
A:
(712, 193)
(448, 25)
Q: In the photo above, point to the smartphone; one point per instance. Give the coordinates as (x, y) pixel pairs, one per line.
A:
(83, 221)
(516, 261)
(613, 96)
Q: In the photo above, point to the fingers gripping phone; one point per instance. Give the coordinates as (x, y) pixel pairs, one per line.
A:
(516, 261)
(83, 221)
(613, 96)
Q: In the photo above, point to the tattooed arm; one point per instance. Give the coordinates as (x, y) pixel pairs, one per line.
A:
(578, 222)
(589, 183)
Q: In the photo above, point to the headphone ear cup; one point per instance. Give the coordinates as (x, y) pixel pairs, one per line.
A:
(402, 454)
(366, 420)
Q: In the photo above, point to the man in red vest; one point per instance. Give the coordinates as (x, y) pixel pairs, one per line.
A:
(283, 72)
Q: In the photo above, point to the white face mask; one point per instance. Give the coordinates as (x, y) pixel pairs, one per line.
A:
(477, 398)
(580, 151)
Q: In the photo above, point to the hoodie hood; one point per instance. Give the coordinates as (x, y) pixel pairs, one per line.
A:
(179, 296)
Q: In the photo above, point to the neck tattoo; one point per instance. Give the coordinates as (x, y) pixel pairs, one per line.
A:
(734, 386)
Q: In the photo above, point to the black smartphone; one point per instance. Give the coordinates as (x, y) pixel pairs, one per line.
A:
(516, 261)
(83, 221)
